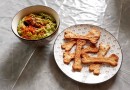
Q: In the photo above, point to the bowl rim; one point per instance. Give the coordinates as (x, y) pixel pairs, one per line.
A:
(30, 7)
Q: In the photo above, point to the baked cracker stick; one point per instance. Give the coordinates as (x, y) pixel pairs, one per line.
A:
(111, 60)
(103, 49)
(77, 66)
(95, 68)
(68, 45)
(68, 57)
(93, 35)
(90, 49)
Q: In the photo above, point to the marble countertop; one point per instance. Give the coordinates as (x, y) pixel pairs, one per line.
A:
(23, 67)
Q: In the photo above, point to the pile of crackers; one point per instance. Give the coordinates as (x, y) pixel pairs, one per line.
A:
(82, 54)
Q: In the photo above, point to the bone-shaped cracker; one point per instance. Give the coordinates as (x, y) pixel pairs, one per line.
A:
(68, 57)
(90, 49)
(95, 68)
(68, 45)
(77, 66)
(103, 49)
(93, 35)
(111, 60)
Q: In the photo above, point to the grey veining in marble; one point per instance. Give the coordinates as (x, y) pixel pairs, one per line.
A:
(42, 73)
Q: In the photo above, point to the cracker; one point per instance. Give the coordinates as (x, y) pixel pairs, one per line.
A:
(77, 66)
(80, 40)
(68, 45)
(103, 49)
(111, 60)
(93, 35)
(95, 68)
(68, 57)
(90, 49)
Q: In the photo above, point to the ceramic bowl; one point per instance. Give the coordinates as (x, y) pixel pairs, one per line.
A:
(35, 9)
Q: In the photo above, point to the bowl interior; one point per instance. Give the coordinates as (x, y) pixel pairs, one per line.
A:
(33, 9)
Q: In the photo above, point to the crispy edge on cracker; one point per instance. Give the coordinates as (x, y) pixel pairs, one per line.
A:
(93, 35)
(77, 65)
(95, 68)
(68, 57)
(90, 49)
(103, 49)
(111, 60)
(68, 45)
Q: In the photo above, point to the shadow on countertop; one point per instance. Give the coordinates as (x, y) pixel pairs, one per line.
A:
(64, 81)
(14, 58)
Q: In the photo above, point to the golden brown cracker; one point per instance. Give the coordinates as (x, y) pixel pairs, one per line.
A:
(68, 45)
(77, 66)
(68, 57)
(69, 35)
(95, 68)
(111, 60)
(103, 49)
(93, 35)
(90, 49)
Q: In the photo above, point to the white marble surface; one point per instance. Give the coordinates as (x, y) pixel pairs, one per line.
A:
(24, 67)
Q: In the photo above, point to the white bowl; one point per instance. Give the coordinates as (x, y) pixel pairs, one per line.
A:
(35, 9)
